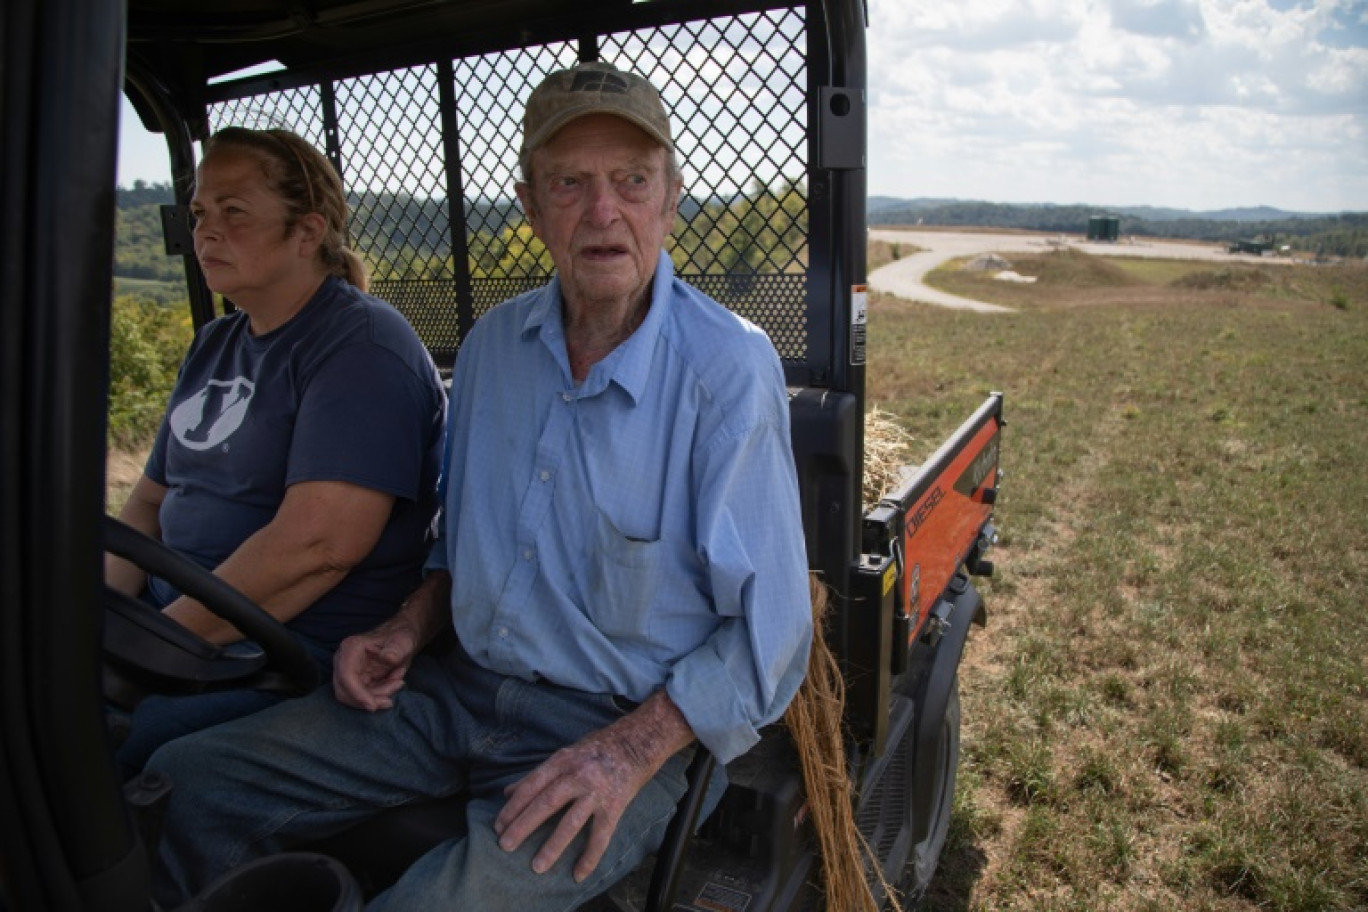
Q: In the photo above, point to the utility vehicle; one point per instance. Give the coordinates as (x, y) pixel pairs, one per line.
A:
(418, 104)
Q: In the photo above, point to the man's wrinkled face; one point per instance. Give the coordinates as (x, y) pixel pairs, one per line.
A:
(602, 199)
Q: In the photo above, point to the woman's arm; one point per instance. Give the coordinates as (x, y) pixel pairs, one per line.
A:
(142, 511)
(321, 531)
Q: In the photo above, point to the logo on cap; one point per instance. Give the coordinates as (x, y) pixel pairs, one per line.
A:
(598, 81)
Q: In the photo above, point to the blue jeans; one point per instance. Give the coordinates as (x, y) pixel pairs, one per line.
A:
(159, 718)
(311, 767)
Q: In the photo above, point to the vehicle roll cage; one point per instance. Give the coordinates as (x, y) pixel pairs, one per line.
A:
(770, 120)
(175, 62)
(770, 126)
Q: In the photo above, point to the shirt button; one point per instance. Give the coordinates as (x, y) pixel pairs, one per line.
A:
(503, 633)
(545, 475)
(566, 397)
(527, 554)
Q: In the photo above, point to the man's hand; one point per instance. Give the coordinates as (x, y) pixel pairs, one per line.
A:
(369, 668)
(593, 780)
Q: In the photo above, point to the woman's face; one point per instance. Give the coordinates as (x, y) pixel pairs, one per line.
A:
(240, 236)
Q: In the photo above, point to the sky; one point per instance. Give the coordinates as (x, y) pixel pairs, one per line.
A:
(1191, 104)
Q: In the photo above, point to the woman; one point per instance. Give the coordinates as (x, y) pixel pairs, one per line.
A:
(299, 453)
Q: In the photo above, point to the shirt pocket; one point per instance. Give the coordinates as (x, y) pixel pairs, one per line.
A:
(624, 573)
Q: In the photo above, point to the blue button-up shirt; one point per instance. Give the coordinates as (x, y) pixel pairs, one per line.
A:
(639, 530)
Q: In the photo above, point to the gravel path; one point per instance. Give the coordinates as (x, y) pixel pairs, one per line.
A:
(905, 277)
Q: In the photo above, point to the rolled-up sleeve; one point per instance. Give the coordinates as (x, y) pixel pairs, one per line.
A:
(751, 547)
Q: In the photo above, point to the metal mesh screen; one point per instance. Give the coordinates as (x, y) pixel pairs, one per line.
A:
(504, 257)
(882, 818)
(883, 814)
(291, 109)
(390, 132)
(394, 164)
(736, 87)
(737, 92)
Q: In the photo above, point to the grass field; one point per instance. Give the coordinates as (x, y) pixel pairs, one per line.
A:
(1169, 706)
(151, 289)
(881, 253)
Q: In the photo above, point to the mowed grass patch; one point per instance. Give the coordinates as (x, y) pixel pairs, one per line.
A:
(1169, 706)
(161, 292)
(1067, 278)
(881, 253)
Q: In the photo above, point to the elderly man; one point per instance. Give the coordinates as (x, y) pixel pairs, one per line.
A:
(621, 561)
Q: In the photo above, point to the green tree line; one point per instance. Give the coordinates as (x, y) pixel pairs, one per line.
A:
(140, 251)
(762, 230)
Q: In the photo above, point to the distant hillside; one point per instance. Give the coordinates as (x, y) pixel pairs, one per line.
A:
(144, 194)
(139, 251)
(1341, 234)
(1248, 214)
(377, 218)
(407, 236)
(877, 203)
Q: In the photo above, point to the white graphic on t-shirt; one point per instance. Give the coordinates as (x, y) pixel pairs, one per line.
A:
(213, 414)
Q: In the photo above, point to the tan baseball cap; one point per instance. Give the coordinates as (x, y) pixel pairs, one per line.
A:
(593, 88)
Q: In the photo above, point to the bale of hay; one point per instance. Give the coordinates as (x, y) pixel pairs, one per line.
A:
(887, 449)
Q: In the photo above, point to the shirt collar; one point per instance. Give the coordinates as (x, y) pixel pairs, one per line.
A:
(633, 370)
(628, 365)
(546, 307)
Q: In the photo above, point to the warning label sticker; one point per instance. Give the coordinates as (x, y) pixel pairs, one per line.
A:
(859, 312)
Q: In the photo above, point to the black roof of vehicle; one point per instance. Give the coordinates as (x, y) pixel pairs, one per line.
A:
(186, 44)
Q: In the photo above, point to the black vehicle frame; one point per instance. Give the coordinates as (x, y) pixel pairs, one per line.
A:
(417, 104)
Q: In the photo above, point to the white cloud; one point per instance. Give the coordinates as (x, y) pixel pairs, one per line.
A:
(1180, 19)
(1192, 103)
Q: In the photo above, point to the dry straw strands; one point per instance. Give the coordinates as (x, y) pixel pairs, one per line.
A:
(887, 449)
(814, 722)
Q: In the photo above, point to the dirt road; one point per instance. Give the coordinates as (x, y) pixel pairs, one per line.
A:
(905, 277)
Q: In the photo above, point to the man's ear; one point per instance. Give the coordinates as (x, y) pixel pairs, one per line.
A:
(529, 208)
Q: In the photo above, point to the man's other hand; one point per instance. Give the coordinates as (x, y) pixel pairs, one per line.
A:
(593, 781)
(369, 668)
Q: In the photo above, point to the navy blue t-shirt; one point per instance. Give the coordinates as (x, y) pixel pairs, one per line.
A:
(344, 391)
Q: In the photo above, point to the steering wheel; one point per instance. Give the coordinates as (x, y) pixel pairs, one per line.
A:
(139, 637)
